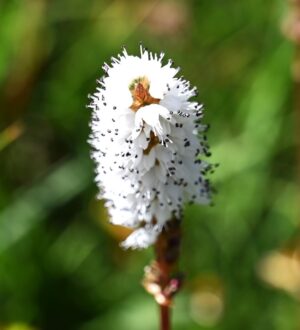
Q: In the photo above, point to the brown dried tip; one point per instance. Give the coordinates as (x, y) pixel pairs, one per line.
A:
(140, 94)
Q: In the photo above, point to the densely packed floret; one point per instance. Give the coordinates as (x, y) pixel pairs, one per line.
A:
(147, 137)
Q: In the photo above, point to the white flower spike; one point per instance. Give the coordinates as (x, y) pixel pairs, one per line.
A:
(147, 137)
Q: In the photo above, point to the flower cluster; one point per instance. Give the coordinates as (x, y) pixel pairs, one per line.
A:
(147, 137)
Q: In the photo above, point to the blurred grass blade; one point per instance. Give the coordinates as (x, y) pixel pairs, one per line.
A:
(261, 109)
(65, 182)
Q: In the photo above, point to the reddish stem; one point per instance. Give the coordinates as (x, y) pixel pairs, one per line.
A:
(162, 279)
(165, 323)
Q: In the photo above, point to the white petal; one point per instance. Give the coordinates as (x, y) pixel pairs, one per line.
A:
(141, 238)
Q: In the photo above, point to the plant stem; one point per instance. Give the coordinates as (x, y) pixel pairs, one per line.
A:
(161, 278)
(165, 323)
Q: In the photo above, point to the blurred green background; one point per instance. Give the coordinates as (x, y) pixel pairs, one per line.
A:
(61, 267)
